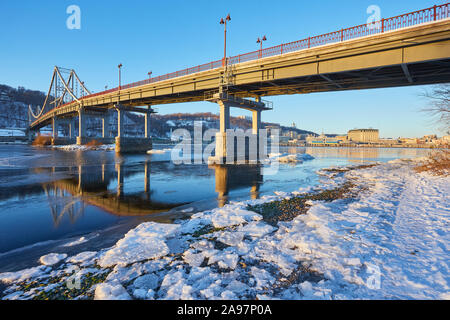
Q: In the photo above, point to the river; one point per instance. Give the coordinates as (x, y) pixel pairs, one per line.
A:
(51, 198)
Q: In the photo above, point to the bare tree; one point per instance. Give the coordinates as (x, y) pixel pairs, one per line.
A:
(438, 162)
(439, 107)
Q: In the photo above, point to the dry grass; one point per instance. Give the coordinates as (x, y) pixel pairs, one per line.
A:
(93, 143)
(438, 163)
(42, 141)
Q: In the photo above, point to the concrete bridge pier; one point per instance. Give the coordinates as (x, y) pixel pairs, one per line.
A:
(61, 140)
(126, 144)
(55, 127)
(106, 125)
(81, 138)
(72, 128)
(239, 146)
(221, 136)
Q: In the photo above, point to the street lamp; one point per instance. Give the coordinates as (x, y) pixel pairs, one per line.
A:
(224, 22)
(149, 75)
(119, 66)
(260, 41)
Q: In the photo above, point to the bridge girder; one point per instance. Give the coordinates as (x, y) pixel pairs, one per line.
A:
(416, 55)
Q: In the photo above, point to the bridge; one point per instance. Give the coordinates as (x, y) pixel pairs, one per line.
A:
(409, 49)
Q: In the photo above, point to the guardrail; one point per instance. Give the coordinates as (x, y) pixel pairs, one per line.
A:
(434, 13)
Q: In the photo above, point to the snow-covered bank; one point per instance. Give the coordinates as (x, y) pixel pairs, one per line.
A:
(390, 242)
(76, 147)
(289, 158)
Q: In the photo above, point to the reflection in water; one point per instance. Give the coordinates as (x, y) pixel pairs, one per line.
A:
(365, 153)
(90, 185)
(350, 153)
(229, 177)
(62, 204)
(49, 194)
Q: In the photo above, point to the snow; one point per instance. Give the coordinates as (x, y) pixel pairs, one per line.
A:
(111, 291)
(83, 257)
(80, 240)
(76, 147)
(290, 158)
(159, 151)
(230, 215)
(392, 242)
(145, 242)
(22, 275)
(52, 258)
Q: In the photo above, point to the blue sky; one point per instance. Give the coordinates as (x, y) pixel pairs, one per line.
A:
(165, 36)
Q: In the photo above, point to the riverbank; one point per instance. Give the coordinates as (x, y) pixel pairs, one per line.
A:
(370, 232)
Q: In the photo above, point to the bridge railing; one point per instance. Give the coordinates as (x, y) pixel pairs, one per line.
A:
(385, 25)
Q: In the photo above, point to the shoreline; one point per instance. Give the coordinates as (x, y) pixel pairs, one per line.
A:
(324, 252)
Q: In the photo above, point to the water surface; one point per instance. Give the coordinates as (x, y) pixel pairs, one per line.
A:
(52, 195)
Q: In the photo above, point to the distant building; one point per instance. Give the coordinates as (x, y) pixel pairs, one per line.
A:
(363, 135)
(341, 138)
(388, 141)
(409, 140)
(323, 139)
(430, 138)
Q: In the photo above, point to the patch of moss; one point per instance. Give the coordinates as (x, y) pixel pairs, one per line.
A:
(63, 292)
(288, 209)
(346, 169)
(208, 229)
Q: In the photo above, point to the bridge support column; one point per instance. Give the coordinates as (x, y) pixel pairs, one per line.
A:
(256, 121)
(129, 144)
(221, 136)
(147, 122)
(106, 125)
(54, 127)
(237, 146)
(120, 119)
(72, 128)
(81, 127)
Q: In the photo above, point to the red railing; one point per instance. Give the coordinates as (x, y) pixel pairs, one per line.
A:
(385, 25)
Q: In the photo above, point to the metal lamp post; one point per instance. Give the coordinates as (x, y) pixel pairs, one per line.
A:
(260, 41)
(224, 22)
(120, 67)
